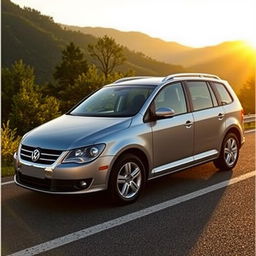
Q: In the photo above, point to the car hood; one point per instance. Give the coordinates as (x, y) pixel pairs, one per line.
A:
(69, 132)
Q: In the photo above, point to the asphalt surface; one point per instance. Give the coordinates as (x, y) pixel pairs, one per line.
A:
(218, 223)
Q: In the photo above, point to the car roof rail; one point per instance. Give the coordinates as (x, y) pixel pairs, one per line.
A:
(124, 79)
(169, 77)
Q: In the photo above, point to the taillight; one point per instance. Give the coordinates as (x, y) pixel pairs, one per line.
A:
(242, 115)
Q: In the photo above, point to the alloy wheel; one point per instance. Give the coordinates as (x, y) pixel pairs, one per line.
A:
(129, 180)
(230, 151)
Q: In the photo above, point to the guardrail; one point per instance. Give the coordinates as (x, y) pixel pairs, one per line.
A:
(249, 118)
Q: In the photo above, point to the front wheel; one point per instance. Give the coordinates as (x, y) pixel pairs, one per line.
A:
(127, 179)
(229, 153)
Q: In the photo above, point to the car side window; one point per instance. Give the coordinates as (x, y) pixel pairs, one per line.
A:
(223, 93)
(200, 95)
(172, 96)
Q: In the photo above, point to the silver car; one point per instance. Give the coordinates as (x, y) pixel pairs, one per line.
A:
(133, 130)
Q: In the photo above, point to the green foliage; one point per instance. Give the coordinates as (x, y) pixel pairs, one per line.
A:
(247, 96)
(21, 39)
(9, 143)
(30, 108)
(72, 65)
(35, 38)
(83, 85)
(117, 75)
(12, 79)
(7, 170)
(107, 53)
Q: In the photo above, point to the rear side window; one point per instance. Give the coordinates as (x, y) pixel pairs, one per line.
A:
(200, 95)
(225, 98)
(214, 100)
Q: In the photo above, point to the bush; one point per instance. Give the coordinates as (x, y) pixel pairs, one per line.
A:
(30, 108)
(247, 96)
(10, 143)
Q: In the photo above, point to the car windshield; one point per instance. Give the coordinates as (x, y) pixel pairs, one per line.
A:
(118, 101)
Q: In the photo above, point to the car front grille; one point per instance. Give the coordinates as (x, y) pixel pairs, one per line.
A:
(47, 156)
(52, 185)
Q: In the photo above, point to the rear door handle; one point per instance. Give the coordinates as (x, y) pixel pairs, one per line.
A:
(220, 116)
(188, 124)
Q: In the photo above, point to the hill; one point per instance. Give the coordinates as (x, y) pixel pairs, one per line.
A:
(137, 41)
(236, 64)
(38, 40)
(233, 61)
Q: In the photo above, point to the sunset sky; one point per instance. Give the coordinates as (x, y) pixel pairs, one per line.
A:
(190, 22)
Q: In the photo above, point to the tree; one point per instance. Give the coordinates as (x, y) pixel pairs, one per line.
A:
(117, 75)
(30, 108)
(72, 65)
(247, 96)
(83, 85)
(11, 82)
(107, 53)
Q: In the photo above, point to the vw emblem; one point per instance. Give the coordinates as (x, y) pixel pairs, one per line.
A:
(35, 155)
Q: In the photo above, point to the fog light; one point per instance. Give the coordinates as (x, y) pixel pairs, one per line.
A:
(83, 183)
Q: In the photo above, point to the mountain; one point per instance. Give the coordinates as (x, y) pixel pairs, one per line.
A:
(236, 64)
(38, 40)
(137, 41)
(233, 61)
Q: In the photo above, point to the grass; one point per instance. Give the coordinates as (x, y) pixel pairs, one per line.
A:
(249, 126)
(8, 170)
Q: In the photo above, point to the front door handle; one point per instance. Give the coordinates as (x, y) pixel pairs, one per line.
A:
(220, 116)
(188, 124)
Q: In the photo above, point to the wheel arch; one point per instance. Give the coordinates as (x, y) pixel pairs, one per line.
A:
(236, 131)
(137, 152)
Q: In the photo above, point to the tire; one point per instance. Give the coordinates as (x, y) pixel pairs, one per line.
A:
(127, 179)
(229, 153)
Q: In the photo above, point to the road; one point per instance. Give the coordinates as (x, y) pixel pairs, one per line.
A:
(213, 220)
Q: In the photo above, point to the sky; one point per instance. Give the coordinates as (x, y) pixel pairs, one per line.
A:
(194, 23)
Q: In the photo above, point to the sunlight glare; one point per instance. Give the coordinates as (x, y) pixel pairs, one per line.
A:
(251, 43)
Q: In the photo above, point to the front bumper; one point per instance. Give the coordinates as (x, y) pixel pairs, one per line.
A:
(52, 189)
(63, 178)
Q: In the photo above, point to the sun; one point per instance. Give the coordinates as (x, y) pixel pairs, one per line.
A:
(251, 43)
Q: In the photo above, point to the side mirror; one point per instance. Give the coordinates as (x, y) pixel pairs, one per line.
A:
(164, 112)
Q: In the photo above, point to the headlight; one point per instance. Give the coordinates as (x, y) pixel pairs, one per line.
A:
(84, 155)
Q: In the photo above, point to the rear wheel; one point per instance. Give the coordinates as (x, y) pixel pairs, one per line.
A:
(229, 153)
(127, 179)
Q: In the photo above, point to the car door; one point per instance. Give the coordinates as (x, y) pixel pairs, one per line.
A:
(209, 122)
(172, 136)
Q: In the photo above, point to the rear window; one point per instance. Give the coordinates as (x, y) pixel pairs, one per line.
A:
(223, 93)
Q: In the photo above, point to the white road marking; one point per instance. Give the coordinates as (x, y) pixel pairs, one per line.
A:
(72, 237)
(7, 182)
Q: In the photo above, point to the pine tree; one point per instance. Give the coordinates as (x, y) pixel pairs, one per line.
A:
(83, 85)
(72, 65)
